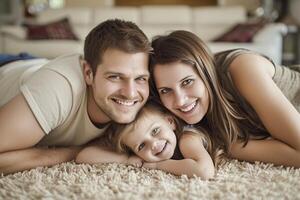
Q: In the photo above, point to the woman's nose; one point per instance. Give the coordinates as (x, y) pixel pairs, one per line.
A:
(180, 98)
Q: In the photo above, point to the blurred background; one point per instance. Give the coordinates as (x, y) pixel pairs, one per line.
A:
(270, 27)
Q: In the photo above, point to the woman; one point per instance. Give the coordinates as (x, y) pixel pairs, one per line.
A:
(246, 104)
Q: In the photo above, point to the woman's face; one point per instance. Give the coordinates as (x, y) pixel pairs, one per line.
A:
(182, 91)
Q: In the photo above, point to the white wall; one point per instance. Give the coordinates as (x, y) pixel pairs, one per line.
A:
(88, 3)
(294, 8)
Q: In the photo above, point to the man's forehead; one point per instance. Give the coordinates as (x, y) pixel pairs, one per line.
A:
(125, 63)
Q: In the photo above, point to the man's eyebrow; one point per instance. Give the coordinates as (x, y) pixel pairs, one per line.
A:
(112, 72)
(145, 74)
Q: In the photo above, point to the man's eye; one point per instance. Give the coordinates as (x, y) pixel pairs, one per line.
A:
(155, 131)
(141, 146)
(164, 91)
(142, 79)
(187, 82)
(114, 77)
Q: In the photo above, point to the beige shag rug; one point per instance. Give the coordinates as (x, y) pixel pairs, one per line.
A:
(234, 180)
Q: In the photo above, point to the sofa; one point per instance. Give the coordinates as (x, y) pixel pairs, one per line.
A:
(208, 22)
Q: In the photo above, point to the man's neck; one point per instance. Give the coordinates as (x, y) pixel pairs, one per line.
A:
(95, 113)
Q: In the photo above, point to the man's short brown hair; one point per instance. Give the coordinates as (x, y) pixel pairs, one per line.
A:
(114, 34)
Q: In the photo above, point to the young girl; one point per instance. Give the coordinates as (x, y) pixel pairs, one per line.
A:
(158, 141)
(248, 105)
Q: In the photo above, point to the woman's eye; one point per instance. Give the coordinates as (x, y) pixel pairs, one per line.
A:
(163, 91)
(155, 131)
(187, 82)
(141, 146)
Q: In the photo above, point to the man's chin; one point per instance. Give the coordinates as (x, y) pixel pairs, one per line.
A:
(124, 120)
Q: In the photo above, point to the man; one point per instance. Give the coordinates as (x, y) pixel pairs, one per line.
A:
(69, 101)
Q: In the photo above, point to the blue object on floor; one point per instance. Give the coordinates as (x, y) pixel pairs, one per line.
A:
(7, 58)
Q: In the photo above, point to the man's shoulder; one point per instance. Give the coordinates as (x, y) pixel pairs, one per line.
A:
(68, 66)
(66, 63)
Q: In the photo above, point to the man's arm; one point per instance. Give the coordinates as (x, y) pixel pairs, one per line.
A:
(19, 128)
(19, 160)
(98, 154)
(19, 132)
(196, 160)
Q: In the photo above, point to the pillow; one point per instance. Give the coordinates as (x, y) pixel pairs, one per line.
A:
(241, 32)
(58, 30)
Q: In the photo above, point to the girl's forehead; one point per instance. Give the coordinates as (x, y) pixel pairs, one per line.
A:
(144, 122)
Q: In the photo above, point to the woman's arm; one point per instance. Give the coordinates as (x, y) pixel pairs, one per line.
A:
(99, 154)
(196, 160)
(269, 150)
(251, 76)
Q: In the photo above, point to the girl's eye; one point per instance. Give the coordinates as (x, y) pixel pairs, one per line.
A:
(141, 146)
(187, 82)
(155, 131)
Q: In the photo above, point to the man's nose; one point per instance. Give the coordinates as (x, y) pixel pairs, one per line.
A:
(157, 146)
(129, 89)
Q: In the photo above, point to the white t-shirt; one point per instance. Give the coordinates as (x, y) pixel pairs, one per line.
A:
(56, 93)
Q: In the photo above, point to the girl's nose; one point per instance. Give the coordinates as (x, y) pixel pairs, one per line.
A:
(158, 146)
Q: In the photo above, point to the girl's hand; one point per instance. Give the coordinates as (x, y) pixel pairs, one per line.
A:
(135, 161)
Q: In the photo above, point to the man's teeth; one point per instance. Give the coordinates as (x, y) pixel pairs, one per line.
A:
(125, 102)
(189, 108)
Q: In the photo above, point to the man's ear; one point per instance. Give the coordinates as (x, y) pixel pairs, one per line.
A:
(170, 119)
(87, 73)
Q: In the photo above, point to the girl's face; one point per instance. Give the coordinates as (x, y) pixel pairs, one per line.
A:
(182, 91)
(153, 138)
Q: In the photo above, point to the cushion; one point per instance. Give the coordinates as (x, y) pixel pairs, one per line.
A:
(242, 32)
(58, 30)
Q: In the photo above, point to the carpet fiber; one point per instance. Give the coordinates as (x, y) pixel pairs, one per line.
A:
(234, 180)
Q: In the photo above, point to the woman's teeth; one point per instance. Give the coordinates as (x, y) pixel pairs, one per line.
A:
(189, 108)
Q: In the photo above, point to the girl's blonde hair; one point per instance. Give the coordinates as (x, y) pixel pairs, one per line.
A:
(115, 132)
(225, 120)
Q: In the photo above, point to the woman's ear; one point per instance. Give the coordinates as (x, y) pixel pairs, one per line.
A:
(87, 73)
(170, 119)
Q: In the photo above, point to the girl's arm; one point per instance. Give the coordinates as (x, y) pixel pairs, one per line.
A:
(252, 76)
(196, 160)
(99, 154)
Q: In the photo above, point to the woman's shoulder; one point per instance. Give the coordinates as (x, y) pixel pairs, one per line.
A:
(224, 59)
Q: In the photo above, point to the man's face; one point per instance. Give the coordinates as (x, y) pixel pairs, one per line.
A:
(120, 87)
